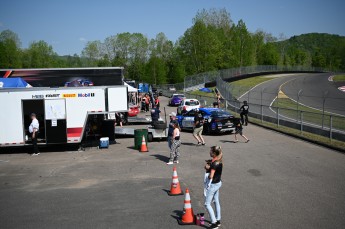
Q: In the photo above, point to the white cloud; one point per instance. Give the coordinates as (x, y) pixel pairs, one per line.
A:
(82, 39)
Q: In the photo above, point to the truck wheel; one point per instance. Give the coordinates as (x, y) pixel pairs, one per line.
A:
(149, 137)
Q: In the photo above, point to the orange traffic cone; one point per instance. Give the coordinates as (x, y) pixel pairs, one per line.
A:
(175, 189)
(143, 147)
(188, 215)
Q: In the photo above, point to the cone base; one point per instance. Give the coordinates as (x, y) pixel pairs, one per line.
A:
(143, 151)
(178, 194)
(183, 223)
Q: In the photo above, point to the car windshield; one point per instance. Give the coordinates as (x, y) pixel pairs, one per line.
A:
(192, 103)
(220, 113)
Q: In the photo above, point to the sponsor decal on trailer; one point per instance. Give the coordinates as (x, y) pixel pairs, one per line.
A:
(86, 94)
(73, 95)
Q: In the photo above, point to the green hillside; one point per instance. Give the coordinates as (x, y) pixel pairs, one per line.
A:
(315, 49)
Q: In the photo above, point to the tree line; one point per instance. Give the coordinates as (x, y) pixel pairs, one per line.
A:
(213, 42)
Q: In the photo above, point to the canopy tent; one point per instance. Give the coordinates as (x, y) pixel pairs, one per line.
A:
(130, 88)
(13, 83)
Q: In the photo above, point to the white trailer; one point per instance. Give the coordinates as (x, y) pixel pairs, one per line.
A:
(66, 115)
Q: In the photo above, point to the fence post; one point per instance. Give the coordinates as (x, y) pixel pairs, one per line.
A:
(301, 122)
(298, 96)
(330, 127)
(262, 115)
(323, 107)
(278, 117)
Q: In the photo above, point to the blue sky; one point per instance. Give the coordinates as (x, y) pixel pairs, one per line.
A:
(68, 24)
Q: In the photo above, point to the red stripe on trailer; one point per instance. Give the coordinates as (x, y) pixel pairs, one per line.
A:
(76, 140)
(74, 132)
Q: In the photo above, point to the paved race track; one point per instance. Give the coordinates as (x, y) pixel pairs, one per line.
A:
(312, 86)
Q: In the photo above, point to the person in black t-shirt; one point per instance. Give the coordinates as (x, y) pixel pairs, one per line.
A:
(214, 184)
(244, 113)
(198, 127)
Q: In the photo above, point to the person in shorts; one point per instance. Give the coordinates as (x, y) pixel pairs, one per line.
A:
(239, 130)
(198, 127)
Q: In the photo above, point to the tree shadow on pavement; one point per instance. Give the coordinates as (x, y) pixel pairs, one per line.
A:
(161, 157)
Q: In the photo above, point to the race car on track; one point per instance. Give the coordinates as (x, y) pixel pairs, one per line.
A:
(216, 120)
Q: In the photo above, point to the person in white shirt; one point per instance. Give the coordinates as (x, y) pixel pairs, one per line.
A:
(33, 129)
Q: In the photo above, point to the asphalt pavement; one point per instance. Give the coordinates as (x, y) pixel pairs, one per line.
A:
(274, 181)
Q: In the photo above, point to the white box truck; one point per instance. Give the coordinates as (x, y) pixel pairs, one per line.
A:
(66, 115)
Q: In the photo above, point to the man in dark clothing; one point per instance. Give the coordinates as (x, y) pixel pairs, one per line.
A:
(155, 114)
(244, 113)
(171, 128)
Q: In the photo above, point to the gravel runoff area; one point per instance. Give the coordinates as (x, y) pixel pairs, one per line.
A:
(274, 181)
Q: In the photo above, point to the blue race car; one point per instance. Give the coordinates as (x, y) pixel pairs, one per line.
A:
(216, 120)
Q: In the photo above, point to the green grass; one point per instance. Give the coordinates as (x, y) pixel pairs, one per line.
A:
(339, 78)
(298, 133)
(201, 93)
(288, 108)
(239, 87)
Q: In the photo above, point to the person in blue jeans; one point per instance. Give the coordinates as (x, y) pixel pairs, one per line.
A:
(213, 185)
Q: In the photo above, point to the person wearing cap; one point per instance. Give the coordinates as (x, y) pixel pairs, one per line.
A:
(173, 121)
(198, 127)
(33, 130)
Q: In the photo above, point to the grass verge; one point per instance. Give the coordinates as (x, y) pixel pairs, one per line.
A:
(314, 138)
(239, 87)
(339, 78)
(288, 108)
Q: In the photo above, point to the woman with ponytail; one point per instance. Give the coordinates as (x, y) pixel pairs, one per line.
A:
(214, 183)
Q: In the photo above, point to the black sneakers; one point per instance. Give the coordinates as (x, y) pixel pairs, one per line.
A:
(214, 225)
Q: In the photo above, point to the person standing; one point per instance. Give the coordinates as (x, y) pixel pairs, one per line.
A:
(244, 113)
(214, 184)
(239, 130)
(198, 127)
(216, 104)
(173, 121)
(155, 114)
(118, 119)
(33, 130)
(157, 102)
(175, 147)
(147, 102)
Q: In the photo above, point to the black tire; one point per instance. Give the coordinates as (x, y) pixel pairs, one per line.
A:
(149, 137)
